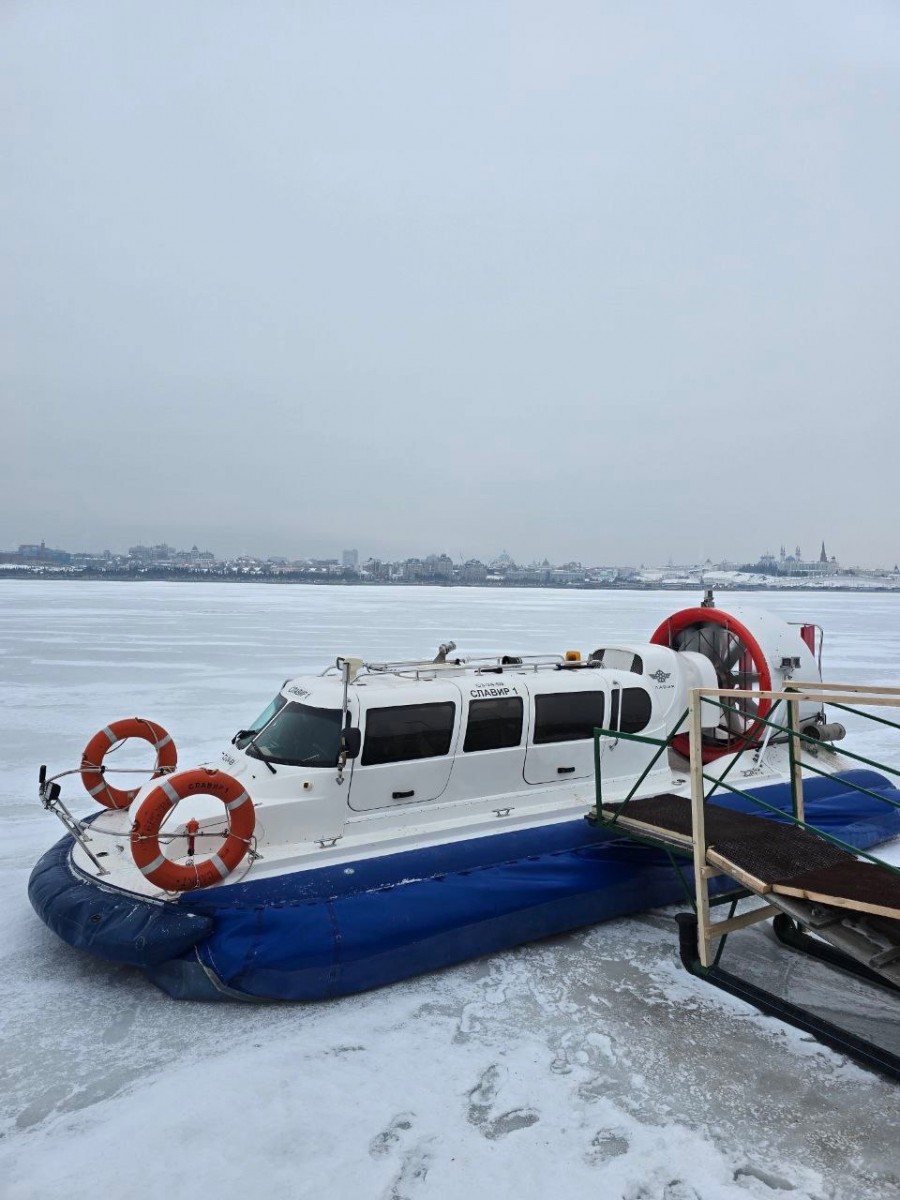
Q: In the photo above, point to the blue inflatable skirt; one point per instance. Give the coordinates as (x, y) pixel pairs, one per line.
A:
(338, 930)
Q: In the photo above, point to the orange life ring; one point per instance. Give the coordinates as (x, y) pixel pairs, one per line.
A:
(202, 781)
(98, 747)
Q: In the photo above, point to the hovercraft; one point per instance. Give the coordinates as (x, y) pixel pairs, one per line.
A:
(380, 820)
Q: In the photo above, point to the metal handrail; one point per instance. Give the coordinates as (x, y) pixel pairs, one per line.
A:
(794, 695)
(717, 697)
(661, 743)
(810, 741)
(856, 787)
(868, 716)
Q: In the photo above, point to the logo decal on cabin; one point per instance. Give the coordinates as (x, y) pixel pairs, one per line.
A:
(660, 676)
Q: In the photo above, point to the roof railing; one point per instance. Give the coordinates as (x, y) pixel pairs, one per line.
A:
(472, 664)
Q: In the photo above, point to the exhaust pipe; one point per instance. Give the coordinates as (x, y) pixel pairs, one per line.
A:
(832, 732)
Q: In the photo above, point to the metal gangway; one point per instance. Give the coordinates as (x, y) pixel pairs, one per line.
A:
(825, 897)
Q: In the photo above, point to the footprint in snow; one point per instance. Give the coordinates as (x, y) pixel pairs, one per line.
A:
(606, 1144)
(481, 1109)
(382, 1143)
(677, 1189)
(484, 1093)
(415, 1161)
(775, 1182)
(412, 1174)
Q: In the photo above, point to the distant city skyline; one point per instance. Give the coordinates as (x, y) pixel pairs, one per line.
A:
(775, 546)
(354, 558)
(162, 561)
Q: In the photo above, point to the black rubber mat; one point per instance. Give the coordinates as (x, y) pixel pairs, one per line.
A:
(765, 849)
(859, 882)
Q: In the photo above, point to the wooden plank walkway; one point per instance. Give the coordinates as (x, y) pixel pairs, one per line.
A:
(765, 855)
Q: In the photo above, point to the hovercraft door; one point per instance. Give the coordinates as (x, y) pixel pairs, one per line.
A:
(561, 737)
(407, 752)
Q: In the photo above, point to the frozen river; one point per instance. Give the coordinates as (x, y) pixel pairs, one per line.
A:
(589, 1065)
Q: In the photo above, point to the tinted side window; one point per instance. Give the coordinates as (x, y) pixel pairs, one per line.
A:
(408, 731)
(637, 708)
(494, 724)
(567, 716)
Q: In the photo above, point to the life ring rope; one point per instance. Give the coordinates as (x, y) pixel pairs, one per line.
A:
(107, 740)
(156, 807)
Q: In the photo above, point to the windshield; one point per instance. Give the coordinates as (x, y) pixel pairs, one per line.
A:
(261, 721)
(300, 736)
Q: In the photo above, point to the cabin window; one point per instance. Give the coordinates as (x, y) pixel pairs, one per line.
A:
(261, 721)
(636, 706)
(614, 659)
(494, 724)
(567, 716)
(300, 736)
(408, 731)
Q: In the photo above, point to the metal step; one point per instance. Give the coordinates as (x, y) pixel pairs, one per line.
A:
(871, 941)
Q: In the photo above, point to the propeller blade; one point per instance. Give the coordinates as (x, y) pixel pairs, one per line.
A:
(737, 650)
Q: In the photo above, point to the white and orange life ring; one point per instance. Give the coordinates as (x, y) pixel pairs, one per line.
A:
(178, 877)
(99, 746)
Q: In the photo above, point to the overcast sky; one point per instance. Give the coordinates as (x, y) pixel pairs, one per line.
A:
(613, 281)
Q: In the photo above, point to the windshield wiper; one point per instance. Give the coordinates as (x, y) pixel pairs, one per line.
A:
(257, 753)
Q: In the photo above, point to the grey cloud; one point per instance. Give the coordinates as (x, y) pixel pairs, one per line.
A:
(604, 280)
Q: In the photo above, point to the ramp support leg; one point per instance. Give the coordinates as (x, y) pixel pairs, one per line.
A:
(698, 831)
(867, 1054)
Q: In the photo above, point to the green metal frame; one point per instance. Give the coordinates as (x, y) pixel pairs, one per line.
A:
(793, 736)
(811, 741)
(614, 734)
(869, 716)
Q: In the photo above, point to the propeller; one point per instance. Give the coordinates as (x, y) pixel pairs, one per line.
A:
(735, 671)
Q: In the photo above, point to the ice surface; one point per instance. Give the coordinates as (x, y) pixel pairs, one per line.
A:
(590, 1065)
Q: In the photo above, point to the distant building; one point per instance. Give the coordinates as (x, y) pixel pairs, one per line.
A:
(474, 571)
(41, 554)
(350, 559)
(794, 565)
(154, 554)
(374, 568)
(438, 566)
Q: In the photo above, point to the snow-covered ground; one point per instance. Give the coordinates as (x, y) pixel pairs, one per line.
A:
(590, 1065)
